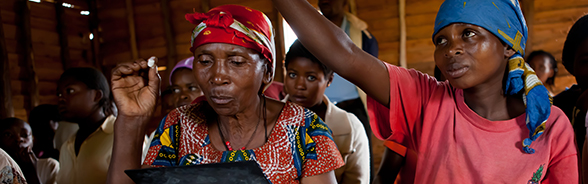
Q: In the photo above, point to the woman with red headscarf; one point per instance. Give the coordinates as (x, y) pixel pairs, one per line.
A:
(234, 62)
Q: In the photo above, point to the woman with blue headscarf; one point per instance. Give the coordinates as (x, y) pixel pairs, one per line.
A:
(491, 122)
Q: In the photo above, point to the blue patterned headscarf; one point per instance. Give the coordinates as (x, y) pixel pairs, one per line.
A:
(505, 20)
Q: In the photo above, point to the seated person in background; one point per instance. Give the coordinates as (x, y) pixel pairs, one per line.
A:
(306, 80)
(575, 60)
(183, 83)
(234, 49)
(17, 140)
(545, 67)
(10, 173)
(44, 121)
(84, 99)
(482, 125)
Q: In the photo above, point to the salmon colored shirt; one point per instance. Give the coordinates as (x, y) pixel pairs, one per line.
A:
(448, 142)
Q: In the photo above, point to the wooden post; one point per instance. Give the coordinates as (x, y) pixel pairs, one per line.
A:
(402, 46)
(6, 109)
(169, 36)
(280, 47)
(62, 32)
(205, 5)
(25, 14)
(353, 7)
(132, 34)
(528, 7)
(94, 21)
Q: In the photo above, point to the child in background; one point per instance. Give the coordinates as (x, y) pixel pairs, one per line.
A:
(84, 99)
(17, 140)
(545, 66)
(44, 121)
(491, 122)
(183, 83)
(305, 82)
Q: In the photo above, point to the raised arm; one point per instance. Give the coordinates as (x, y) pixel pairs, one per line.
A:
(334, 48)
(135, 87)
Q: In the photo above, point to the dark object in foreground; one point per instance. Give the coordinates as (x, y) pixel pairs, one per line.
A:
(236, 172)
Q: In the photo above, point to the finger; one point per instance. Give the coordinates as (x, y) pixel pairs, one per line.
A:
(121, 70)
(154, 78)
(136, 66)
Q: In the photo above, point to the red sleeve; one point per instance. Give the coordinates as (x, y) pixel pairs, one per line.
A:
(410, 90)
(563, 163)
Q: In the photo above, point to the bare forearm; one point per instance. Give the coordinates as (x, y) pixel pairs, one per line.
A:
(391, 164)
(127, 148)
(334, 48)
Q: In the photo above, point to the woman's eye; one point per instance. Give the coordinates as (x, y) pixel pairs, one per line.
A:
(311, 78)
(292, 75)
(469, 34)
(6, 134)
(237, 60)
(176, 90)
(70, 91)
(193, 88)
(59, 95)
(440, 41)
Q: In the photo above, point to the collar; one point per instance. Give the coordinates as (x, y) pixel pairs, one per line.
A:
(108, 124)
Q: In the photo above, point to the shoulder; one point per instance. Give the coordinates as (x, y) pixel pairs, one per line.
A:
(558, 122)
(339, 121)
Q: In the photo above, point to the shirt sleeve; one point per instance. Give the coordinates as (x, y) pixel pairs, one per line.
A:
(163, 150)
(410, 91)
(320, 152)
(357, 167)
(563, 163)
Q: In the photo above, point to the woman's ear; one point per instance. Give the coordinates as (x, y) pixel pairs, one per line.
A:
(98, 95)
(508, 52)
(330, 80)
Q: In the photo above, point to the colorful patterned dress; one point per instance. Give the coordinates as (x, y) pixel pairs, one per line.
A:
(299, 146)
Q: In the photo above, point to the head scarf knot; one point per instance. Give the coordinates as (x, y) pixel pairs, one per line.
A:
(505, 20)
(237, 25)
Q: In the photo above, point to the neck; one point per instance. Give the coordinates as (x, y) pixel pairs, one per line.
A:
(336, 19)
(491, 103)
(320, 109)
(92, 122)
(244, 122)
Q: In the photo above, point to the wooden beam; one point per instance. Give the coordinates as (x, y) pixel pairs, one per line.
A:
(62, 32)
(402, 22)
(169, 37)
(204, 5)
(280, 47)
(25, 14)
(132, 33)
(6, 108)
(528, 7)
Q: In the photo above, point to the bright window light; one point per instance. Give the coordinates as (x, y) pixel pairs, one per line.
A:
(289, 35)
(85, 12)
(91, 36)
(36, 1)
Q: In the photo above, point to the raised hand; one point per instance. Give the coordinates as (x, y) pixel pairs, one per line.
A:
(135, 87)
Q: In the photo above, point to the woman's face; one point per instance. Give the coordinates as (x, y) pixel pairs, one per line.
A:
(184, 87)
(230, 76)
(469, 55)
(542, 66)
(16, 137)
(581, 65)
(305, 82)
(76, 101)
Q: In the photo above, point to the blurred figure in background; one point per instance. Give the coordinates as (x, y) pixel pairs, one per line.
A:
(44, 121)
(545, 67)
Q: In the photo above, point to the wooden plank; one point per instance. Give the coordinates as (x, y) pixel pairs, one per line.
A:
(543, 5)
(94, 25)
(61, 28)
(402, 18)
(6, 109)
(25, 14)
(528, 8)
(132, 32)
(204, 6)
(169, 38)
(561, 15)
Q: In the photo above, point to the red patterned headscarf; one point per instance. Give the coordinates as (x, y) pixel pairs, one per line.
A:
(234, 24)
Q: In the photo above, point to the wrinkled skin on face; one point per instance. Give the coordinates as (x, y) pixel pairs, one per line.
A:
(230, 76)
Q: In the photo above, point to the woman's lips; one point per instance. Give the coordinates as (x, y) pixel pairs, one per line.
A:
(221, 100)
(298, 98)
(456, 70)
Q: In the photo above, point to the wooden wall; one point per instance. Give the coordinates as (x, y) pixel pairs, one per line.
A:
(34, 83)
